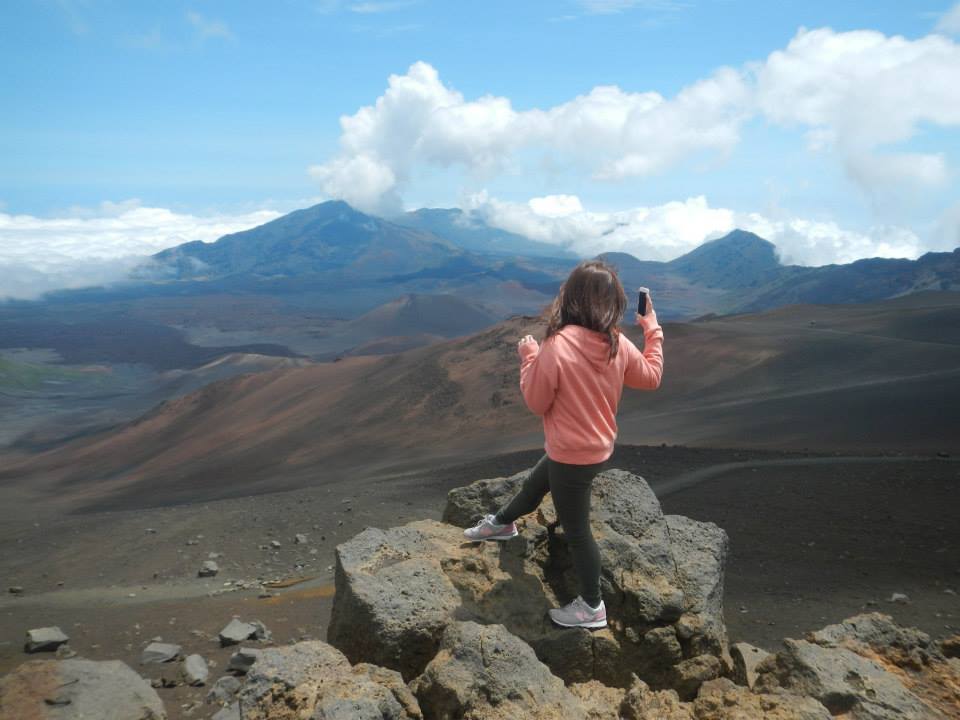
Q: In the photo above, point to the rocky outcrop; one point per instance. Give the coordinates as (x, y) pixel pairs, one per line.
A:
(314, 680)
(428, 626)
(77, 688)
(662, 584)
(869, 667)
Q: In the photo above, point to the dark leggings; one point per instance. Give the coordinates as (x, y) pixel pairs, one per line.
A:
(570, 487)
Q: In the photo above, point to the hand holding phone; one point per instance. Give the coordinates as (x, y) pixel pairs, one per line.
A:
(643, 300)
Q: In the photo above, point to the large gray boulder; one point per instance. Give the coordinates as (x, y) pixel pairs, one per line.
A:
(398, 589)
(844, 682)
(315, 680)
(700, 550)
(76, 688)
(483, 672)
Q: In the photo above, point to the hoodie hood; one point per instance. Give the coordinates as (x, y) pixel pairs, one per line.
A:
(592, 345)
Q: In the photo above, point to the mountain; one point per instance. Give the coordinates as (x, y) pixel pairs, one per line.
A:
(472, 234)
(737, 260)
(740, 272)
(853, 377)
(331, 236)
(860, 281)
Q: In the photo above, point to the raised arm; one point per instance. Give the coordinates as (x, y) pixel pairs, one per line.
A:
(538, 374)
(645, 370)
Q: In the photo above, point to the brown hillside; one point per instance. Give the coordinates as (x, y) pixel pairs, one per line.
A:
(876, 377)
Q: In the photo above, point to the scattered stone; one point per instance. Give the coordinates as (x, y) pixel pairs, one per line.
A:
(275, 544)
(300, 539)
(236, 632)
(746, 657)
(214, 555)
(243, 659)
(45, 639)
(260, 632)
(901, 598)
(224, 690)
(209, 569)
(15, 590)
(193, 542)
(195, 670)
(151, 531)
(158, 652)
(85, 688)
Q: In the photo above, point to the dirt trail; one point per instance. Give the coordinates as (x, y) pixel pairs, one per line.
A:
(695, 477)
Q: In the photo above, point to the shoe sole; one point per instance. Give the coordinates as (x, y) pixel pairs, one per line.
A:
(594, 624)
(493, 537)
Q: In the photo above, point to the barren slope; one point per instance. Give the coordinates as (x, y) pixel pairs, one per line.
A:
(863, 377)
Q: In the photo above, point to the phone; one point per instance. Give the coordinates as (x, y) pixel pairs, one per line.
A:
(642, 301)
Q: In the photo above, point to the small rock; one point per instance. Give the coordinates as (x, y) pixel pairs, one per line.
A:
(157, 652)
(45, 639)
(901, 598)
(300, 539)
(214, 555)
(15, 590)
(195, 670)
(261, 632)
(193, 542)
(236, 632)
(746, 657)
(243, 659)
(209, 569)
(151, 531)
(275, 544)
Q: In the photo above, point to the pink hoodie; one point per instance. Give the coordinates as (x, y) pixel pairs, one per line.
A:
(568, 381)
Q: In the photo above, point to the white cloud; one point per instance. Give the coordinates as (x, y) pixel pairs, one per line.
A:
(857, 94)
(859, 91)
(664, 232)
(608, 132)
(949, 22)
(208, 28)
(96, 246)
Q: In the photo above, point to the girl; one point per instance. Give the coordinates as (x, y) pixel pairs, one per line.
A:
(575, 380)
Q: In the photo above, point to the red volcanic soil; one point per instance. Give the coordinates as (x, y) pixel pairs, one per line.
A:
(852, 378)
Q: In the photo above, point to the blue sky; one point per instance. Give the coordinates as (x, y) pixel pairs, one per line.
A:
(220, 109)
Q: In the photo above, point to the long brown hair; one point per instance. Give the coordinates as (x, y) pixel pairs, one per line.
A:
(592, 297)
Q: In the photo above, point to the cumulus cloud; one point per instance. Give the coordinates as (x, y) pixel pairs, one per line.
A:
(664, 232)
(858, 94)
(610, 133)
(98, 246)
(859, 91)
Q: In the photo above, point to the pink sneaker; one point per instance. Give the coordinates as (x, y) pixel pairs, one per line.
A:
(487, 529)
(579, 614)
